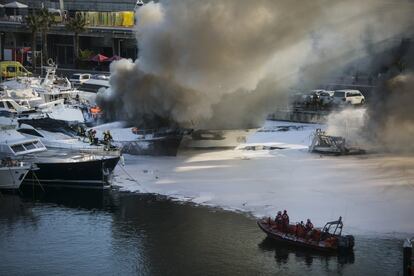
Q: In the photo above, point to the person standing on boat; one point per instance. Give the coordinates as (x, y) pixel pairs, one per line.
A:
(285, 220)
(279, 220)
(309, 226)
(300, 229)
(90, 136)
(107, 139)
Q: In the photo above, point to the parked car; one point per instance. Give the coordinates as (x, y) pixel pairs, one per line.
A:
(78, 78)
(349, 97)
(324, 97)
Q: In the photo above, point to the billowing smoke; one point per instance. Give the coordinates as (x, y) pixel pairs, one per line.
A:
(227, 64)
(387, 123)
(390, 118)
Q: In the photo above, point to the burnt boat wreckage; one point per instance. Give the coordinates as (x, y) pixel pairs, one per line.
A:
(162, 137)
(156, 142)
(166, 141)
(327, 239)
(332, 145)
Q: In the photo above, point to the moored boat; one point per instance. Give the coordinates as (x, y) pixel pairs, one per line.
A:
(12, 174)
(59, 168)
(328, 239)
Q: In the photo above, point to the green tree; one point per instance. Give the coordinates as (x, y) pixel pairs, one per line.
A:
(77, 25)
(46, 20)
(33, 23)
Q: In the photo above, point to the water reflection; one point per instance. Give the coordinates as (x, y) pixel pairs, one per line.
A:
(117, 233)
(284, 252)
(72, 198)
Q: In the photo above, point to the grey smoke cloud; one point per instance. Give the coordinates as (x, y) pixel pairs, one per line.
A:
(390, 116)
(227, 64)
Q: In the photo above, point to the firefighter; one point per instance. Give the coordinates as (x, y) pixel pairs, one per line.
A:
(107, 139)
(300, 229)
(90, 136)
(94, 139)
(308, 226)
(285, 220)
(278, 220)
(81, 131)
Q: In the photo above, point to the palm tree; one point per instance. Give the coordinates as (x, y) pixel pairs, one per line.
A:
(76, 25)
(32, 21)
(46, 21)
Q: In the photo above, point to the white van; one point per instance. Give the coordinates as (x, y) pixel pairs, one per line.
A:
(349, 97)
(77, 79)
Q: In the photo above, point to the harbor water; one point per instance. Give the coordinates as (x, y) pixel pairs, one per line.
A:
(122, 233)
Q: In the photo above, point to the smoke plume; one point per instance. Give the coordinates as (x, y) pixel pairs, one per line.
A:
(227, 64)
(390, 118)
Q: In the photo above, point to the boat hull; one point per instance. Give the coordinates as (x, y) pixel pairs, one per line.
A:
(92, 174)
(293, 240)
(12, 177)
(163, 146)
(215, 139)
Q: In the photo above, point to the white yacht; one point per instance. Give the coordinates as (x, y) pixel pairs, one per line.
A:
(48, 95)
(62, 138)
(71, 169)
(12, 174)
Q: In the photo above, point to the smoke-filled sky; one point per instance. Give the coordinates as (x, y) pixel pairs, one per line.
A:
(227, 64)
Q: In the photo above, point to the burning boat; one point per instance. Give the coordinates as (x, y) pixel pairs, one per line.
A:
(211, 139)
(334, 145)
(131, 140)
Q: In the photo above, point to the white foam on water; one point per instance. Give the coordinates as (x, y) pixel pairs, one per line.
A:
(373, 193)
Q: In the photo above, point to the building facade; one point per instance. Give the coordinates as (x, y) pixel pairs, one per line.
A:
(109, 32)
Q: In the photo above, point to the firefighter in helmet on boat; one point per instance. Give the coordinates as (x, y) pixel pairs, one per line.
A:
(107, 137)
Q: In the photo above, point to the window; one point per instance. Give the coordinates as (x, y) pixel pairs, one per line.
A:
(29, 146)
(9, 105)
(75, 77)
(85, 77)
(30, 132)
(11, 69)
(18, 148)
(339, 94)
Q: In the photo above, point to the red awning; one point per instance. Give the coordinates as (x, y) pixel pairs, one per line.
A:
(99, 58)
(114, 58)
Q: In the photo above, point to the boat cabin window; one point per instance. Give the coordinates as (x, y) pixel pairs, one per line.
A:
(18, 148)
(30, 146)
(9, 105)
(30, 132)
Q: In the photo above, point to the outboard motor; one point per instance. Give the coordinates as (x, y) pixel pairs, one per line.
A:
(346, 242)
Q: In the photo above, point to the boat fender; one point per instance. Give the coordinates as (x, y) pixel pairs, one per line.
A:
(122, 160)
